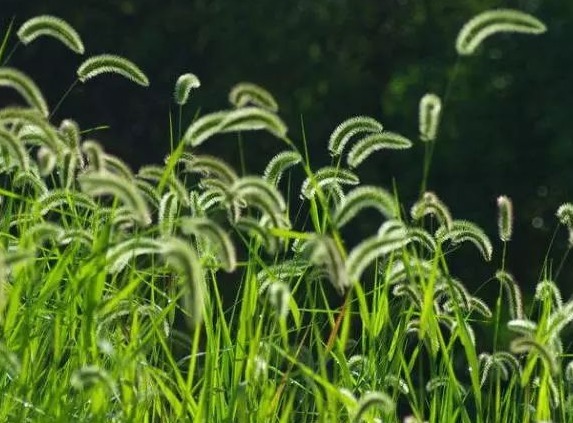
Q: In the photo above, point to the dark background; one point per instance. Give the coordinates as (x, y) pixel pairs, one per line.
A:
(507, 125)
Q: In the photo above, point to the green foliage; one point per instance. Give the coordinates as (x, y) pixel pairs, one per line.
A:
(110, 301)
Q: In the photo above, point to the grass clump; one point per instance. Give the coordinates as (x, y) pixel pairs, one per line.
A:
(111, 282)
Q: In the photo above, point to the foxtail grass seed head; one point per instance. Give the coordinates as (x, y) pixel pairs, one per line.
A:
(371, 400)
(499, 366)
(349, 128)
(494, 21)
(201, 204)
(253, 228)
(347, 398)
(565, 216)
(209, 166)
(27, 88)
(183, 257)
(371, 143)
(55, 198)
(325, 176)
(16, 149)
(531, 346)
(157, 175)
(94, 154)
(185, 83)
(117, 167)
(70, 132)
(463, 230)
(119, 255)
(279, 297)
(80, 235)
(203, 128)
(253, 119)
(33, 127)
(505, 218)
(513, 293)
(211, 231)
(423, 238)
(149, 191)
(31, 179)
(524, 327)
(281, 273)
(246, 93)
(279, 164)
(367, 251)
(547, 290)
(89, 376)
(364, 197)
(569, 372)
(358, 364)
(413, 295)
(71, 136)
(46, 161)
(260, 368)
(168, 207)
(109, 63)
(556, 322)
(50, 26)
(258, 190)
(507, 363)
(68, 170)
(106, 183)
(429, 116)
(437, 382)
(324, 252)
(431, 204)
(397, 383)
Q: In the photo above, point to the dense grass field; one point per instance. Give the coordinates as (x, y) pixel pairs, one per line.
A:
(114, 284)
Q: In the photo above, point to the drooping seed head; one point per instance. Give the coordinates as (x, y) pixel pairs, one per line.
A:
(505, 217)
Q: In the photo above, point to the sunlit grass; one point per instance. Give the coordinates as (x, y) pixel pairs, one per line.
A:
(194, 292)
